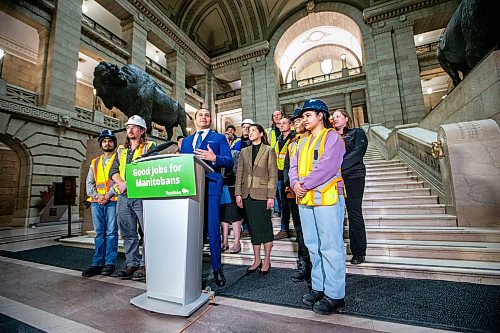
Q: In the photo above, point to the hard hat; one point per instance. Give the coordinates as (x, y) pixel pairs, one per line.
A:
(296, 114)
(247, 121)
(315, 105)
(136, 120)
(106, 134)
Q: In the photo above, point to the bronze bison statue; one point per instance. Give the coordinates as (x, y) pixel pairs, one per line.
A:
(471, 33)
(133, 91)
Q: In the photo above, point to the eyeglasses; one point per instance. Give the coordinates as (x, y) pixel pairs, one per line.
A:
(132, 127)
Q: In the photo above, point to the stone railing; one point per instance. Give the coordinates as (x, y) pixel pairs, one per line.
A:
(320, 78)
(112, 123)
(427, 48)
(102, 31)
(193, 90)
(414, 146)
(98, 117)
(158, 67)
(228, 94)
(84, 114)
(19, 94)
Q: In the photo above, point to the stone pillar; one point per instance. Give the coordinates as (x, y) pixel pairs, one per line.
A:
(62, 60)
(176, 64)
(41, 66)
(394, 80)
(469, 163)
(348, 105)
(257, 97)
(135, 35)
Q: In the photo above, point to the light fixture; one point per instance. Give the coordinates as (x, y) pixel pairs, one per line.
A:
(343, 56)
(94, 91)
(429, 91)
(420, 38)
(79, 74)
(326, 66)
(444, 96)
(2, 53)
(157, 58)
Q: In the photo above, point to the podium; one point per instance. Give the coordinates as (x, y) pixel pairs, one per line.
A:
(173, 189)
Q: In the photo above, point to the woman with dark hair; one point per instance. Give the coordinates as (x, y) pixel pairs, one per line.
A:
(255, 189)
(353, 173)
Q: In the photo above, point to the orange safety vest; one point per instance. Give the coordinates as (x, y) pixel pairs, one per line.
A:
(327, 193)
(101, 176)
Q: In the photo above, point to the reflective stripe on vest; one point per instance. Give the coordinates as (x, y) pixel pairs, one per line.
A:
(280, 155)
(235, 142)
(327, 193)
(101, 176)
(271, 136)
(138, 152)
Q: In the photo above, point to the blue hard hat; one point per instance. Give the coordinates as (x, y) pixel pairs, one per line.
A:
(107, 134)
(296, 114)
(315, 105)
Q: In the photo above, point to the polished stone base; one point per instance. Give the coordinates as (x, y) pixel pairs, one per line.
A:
(166, 307)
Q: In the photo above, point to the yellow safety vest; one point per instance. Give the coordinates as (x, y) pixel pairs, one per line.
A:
(280, 155)
(101, 176)
(271, 136)
(293, 146)
(235, 142)
(139, 151)
(327, 193)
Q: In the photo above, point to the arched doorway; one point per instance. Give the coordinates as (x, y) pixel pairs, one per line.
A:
(15, 180)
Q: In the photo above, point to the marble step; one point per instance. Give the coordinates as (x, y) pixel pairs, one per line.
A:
(390, 193)
(41, 232)
(407, 220)
(402, 172)
(416, 268)
(393, 186)
(408, 200)
(481, 252)
(389, 168)
(374, 160)
(395, 163)
(404, 209)
(428, 233)
(375, 179)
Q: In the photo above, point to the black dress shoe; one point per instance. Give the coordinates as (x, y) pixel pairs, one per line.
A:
(250, 271)
(327, 305)
(92, 271)
(302, 273)
(262, 272)
(108, 270)
(127, 273)
(219, 278)
(312, 297)
(356, 260)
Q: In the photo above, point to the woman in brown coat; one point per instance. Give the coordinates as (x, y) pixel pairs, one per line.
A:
(255, 189)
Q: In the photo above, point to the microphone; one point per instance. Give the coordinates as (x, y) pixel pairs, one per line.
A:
(159, 148)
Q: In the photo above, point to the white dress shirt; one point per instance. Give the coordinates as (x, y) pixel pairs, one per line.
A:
(203, 136)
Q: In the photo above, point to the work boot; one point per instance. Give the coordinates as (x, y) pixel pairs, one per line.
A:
(140, 274)
(327, 305)
(108, 270)
(219, 278)
(312, 297)
(302, 273)
(126, 273)
(92, 271)
(281, 235)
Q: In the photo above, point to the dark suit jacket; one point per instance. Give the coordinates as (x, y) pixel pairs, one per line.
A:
(259, 181)
(219, 145)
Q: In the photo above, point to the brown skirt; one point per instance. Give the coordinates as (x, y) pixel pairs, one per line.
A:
(259, 221)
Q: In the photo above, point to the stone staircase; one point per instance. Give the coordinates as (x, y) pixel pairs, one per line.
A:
(408, 231)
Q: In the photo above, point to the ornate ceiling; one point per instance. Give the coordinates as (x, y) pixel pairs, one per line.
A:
(220, 26)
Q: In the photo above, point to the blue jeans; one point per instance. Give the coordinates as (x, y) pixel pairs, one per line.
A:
(106, 234)
(129, 212)
(284, 207)
(323, 229)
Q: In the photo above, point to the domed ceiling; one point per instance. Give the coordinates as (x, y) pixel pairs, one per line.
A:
(220, 26)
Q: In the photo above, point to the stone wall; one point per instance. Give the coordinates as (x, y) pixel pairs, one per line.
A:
(84, 96)
(19, 72)
(9, 181)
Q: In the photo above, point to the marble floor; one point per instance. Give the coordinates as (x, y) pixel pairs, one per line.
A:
(54, 299)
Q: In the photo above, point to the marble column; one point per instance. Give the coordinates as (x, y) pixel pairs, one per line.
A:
(176, 64)
(59, 78)
(348, 105)
(135, 35)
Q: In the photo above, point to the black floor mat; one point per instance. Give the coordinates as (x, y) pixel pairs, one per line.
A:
(437, 304)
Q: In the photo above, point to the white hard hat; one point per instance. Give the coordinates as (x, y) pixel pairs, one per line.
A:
(136, 120)
(247, 121)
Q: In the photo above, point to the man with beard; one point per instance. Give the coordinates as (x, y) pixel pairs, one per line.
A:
(129, 211)
(103, 206)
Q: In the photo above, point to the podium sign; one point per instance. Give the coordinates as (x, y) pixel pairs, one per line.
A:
(161, 178)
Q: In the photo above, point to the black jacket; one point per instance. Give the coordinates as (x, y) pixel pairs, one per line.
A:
(356, 143)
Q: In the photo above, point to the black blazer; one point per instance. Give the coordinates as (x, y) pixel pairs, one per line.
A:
(356, 143)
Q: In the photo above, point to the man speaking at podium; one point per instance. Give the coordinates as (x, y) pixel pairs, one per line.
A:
(212, 148)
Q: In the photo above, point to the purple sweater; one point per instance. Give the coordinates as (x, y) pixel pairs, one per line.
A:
(327, 166)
